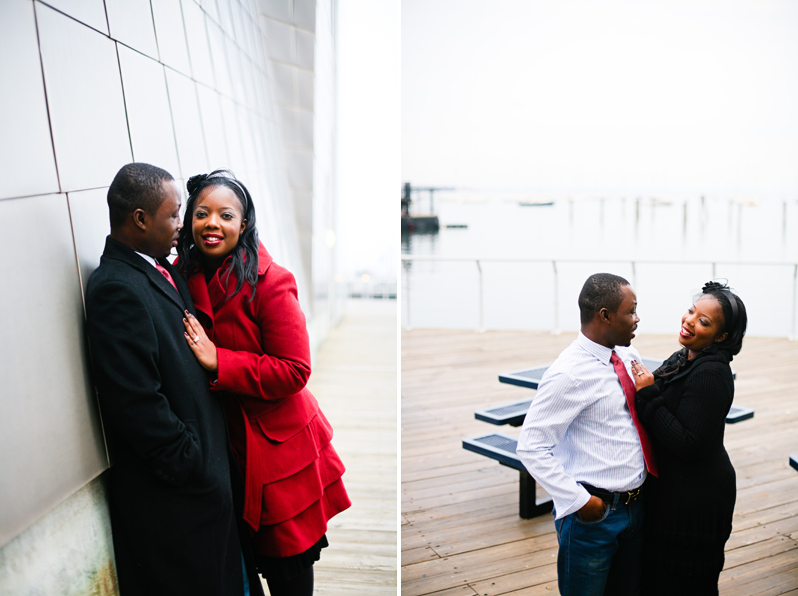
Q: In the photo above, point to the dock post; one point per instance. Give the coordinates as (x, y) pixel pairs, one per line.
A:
(481, 328)
(406, 298)
(794, 296)
(556, 330)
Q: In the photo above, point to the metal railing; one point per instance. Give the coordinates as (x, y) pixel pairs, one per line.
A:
(407, 259)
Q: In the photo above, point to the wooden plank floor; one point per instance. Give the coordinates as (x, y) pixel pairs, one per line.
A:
(355, 382)
(461, 534)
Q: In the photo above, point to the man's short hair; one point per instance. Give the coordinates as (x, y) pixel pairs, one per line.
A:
(601, 290)
(136, 186)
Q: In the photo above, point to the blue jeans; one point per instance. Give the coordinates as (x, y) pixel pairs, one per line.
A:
(601, 557)
(246, 579)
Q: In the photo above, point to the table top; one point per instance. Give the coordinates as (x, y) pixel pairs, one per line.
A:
(530, 377)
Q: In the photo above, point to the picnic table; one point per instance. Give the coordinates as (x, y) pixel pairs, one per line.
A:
(502, 447)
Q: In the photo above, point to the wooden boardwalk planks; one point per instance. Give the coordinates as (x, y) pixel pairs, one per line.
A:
(354, 380)
(461, 534)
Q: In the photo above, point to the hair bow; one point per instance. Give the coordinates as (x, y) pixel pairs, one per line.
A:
(711, 286)
(194, 182)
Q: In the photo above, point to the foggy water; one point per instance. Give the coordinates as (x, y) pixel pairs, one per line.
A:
(615, 230)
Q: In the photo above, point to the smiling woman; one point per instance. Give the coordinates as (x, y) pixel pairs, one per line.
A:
(702, 325)
(250, 334)
(683, 406)
(218, 221)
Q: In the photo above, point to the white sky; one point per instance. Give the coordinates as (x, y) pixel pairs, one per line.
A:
(672, 94)
(369, 136)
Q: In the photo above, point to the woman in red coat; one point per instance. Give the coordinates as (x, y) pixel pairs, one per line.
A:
(251, 336)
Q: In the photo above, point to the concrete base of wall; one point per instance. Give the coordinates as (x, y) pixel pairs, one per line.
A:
(68, 552)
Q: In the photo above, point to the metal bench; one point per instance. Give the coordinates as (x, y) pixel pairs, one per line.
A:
(502, 448)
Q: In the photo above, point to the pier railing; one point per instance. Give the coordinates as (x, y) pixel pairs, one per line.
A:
(478, 261)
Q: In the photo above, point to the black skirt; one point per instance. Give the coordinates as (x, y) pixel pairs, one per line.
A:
(283, 569)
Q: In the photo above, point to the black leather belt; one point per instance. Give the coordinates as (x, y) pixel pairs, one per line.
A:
(623, 498)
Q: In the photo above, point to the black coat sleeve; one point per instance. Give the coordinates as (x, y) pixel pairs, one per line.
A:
(124, 352)
(701, 414)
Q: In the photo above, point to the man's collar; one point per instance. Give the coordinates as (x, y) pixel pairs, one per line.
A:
(148, 258)
(603, 353)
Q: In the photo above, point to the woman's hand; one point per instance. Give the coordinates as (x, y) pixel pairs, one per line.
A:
(642, 376)
(203, 348)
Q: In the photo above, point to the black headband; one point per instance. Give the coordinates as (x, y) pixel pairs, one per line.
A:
(216, 178)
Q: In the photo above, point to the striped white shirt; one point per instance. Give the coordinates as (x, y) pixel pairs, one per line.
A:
(578, 428)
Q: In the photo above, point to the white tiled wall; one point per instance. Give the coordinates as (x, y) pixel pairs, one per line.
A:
(300, 47)
(188, 85)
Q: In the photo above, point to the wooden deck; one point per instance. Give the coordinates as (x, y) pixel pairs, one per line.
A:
(355, 380)
(461, 534)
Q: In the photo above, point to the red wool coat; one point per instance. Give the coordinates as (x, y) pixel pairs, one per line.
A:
(281, 439)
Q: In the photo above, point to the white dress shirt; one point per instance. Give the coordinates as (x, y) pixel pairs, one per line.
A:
(148, 258)
(578, 428)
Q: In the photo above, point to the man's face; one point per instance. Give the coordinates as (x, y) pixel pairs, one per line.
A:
(623, 322)
(164, 224)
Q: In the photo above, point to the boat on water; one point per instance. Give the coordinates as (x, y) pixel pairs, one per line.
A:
(543, 203)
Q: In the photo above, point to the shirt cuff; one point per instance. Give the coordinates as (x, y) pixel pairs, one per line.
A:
(580, 502)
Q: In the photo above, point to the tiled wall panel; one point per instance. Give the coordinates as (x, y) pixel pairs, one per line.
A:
(280, 40)
(84, 92)
(148, 114)
(219, 60)
(187, 123)
(211, 7)
(277, 9)
(171, 34)
(213, 126)
(50, 434)
(284, 83)
(305, 49)
(131, 23)
(198, 49)
(26, 148)
(304, 15)
(234, 146)
(236, 60)
(304, 89)
(88, 12)
(226, 17)
(89, 213)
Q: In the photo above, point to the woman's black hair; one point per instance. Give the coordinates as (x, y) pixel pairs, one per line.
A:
(735, 317)
(245, 254)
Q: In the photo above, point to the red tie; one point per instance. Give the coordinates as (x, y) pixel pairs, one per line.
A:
(629, 390)
(168, 277)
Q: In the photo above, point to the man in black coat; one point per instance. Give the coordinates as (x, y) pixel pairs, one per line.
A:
(172, 514)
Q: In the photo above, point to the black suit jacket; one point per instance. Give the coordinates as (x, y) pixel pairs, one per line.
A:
(172, 512)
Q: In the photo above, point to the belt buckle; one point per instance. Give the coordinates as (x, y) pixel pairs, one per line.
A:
(632, 495)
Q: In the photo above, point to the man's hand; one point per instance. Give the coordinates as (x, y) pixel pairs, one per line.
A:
(592, 510)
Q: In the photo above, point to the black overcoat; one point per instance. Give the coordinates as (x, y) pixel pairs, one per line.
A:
(172, 512)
